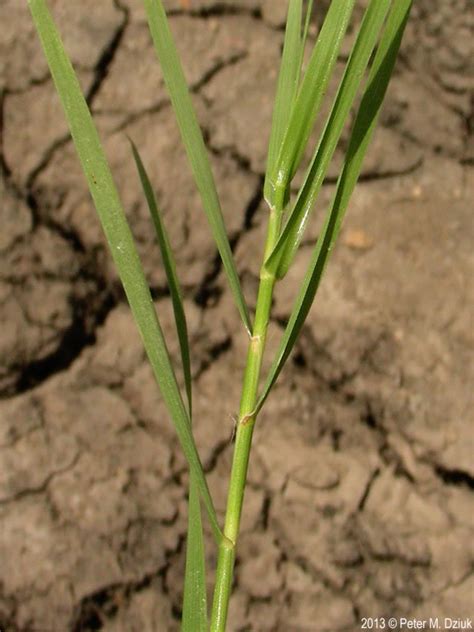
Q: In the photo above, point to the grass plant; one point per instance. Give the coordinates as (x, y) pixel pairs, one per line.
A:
(299, 96)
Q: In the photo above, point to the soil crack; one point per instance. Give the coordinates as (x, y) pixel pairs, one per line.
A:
(218, 10)
(195, 88)
(93, 610)
(101, 69)
(456, 477)
(41, 489)
(81, 334)
(208, 289)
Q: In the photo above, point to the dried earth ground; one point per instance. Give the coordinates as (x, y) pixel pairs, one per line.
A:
(360, 490)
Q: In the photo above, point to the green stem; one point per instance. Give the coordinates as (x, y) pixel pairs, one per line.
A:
(243, 440)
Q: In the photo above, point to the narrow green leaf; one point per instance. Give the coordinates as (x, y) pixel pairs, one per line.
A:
(170, 269)
(194, 143)
(288, 80)
(362, 131)
(289, 241)
(304, 39)
(310, 96)
(309, 13)
(119, 237)
(195, 599)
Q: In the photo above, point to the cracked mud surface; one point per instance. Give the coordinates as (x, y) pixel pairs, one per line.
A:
(360, 488)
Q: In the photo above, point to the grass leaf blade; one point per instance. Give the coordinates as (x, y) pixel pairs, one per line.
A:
(304, 39)
(310, 96)
(366, 40)
(195, 599)
(194, 143)
(119, 237)
(362, 131)
(170, 269)
(288, 80)
(309, 13)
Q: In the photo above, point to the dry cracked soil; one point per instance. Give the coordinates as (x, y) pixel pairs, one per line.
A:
(359, 501)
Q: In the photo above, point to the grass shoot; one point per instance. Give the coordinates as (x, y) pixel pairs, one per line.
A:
(300, 94)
